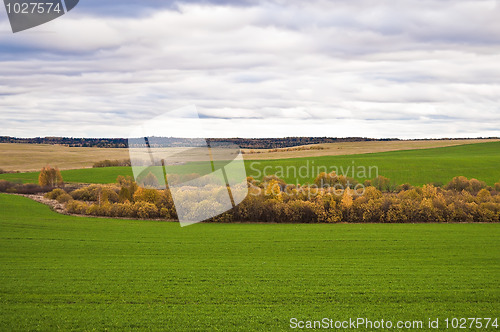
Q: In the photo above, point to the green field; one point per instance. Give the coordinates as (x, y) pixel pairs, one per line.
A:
(67, 273)
(417, 167)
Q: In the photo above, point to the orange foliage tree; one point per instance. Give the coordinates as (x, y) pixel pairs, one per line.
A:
(50, 177)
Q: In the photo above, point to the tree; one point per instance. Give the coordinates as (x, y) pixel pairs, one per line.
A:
(50, 177)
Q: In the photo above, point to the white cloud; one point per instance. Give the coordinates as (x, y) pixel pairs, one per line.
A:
(320, 68)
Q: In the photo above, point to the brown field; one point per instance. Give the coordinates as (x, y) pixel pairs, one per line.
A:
(32, 157)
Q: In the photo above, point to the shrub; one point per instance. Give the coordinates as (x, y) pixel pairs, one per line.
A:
(112, 163)
(84, 194)
(129, 184)
(405, 187)
(483, 196)
(64, 198)
(54, 194)
(304, 212)
(371, 211)
(332, 180)
(382, 183)
(76, 207)
(476, 185)
(121, 210)
(107, 195)
(96, 210)
(461, 183)
(5, 185)
(250, 209)
(124, 195)
(429, 191)
(273, 210)
(30, 188)
(96, 193)
(145, 210)
(147, 195)
(269, 178)
(396, 214)
(167, 213)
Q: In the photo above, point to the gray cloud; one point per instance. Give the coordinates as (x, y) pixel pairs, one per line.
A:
(334, 68)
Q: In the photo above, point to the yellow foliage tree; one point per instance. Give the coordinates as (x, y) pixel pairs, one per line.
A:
(50, 177)
(347, 199)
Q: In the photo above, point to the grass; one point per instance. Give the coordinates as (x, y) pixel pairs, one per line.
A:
(67, 273)
(417, 167)
(84, 175)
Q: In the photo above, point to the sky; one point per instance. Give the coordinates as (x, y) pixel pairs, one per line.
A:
(367, 68)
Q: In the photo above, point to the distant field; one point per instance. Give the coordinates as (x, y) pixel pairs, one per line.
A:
(67, 273)
(32, 157)
(348, 148)
(416, 167)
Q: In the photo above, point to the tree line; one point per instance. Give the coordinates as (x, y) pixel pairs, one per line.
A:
(244, 143)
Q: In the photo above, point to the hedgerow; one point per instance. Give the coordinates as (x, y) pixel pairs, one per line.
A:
(330, 199)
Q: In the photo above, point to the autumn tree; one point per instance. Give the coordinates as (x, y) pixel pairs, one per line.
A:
(50, 177)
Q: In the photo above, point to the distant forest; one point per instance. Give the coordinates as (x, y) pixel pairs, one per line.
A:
(244, 143)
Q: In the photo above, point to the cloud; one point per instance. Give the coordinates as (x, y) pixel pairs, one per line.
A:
(258, 68)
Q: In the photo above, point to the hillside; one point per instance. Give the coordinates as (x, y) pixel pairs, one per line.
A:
(32, 157)
(417, 167)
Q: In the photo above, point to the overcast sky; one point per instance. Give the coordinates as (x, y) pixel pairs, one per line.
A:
(408, 69)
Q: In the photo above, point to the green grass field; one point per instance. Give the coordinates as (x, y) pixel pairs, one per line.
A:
(67, 273)
(417, 167)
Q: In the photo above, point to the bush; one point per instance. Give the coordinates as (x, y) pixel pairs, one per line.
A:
(83, 194)
(145, 210)
(382, 183)
(76, 207)
(147, 195)
(96, 193)
(96, 210)
(122, 210)
(273, 210)
(304, 212)
(167, 213)
(461, 183)
(54, 194)
(112, 163)
(5, 185)
(64, 198)
(332, 180)
(483, 196)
